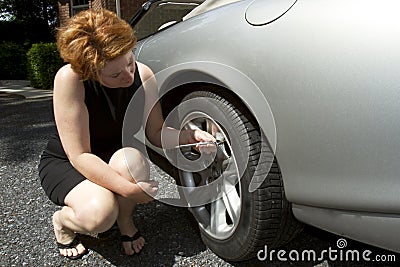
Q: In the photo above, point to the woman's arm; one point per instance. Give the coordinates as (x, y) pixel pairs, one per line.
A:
(156, 132)
(72, 120)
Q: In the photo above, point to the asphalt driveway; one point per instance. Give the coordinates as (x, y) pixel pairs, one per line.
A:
(26, 235)
(25, 220)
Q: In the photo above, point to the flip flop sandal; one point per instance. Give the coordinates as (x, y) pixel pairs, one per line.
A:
(72, 245)
(125, 238)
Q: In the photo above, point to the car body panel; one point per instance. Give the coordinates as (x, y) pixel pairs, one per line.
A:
(328, 70)
(262, 12)
(371, 228)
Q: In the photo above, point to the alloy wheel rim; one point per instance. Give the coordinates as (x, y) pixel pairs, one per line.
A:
(225, 210)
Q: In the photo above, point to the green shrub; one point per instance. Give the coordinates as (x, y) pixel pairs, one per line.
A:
(12, 61)
(43, 63)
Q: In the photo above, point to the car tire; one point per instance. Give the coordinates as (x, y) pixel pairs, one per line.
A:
(265, 216)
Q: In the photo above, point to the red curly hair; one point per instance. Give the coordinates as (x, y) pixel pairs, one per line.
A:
(91, 39)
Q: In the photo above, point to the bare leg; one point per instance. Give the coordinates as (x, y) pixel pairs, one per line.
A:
(131, 164)
(98, 214)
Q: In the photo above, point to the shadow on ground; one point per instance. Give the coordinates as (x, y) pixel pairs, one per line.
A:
(168, 231)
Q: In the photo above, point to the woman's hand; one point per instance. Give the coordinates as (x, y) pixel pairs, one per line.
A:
(197, 136)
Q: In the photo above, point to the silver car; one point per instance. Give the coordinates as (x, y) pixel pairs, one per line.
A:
(303, 97)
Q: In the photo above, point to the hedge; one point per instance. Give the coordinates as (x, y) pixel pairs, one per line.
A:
(12, 61)
(43, 63)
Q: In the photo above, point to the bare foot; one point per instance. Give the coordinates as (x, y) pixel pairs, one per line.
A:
(134, 244)
(65, 237)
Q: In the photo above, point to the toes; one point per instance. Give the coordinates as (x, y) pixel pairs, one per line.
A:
(68, 252)
(133, 247)
(63, 252)
(138, 244)
(80, 249)
(128, 248)
(137, 248)
(73, 252)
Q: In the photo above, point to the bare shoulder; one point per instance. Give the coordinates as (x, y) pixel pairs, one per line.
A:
(66, 73)
(67, 82)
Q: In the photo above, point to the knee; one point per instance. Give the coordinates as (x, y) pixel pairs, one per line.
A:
(98, 214)
(131, 163)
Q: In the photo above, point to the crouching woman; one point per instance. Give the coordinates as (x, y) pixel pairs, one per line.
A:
(84, 168)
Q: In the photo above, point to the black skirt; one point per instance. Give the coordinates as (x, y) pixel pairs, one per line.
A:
(57, 175)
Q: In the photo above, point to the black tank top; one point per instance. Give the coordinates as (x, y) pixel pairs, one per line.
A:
(106, 108)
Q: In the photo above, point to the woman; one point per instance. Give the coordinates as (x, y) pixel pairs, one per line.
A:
(84, 168)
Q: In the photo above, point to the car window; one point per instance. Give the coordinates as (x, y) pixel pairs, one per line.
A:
(161, 15)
